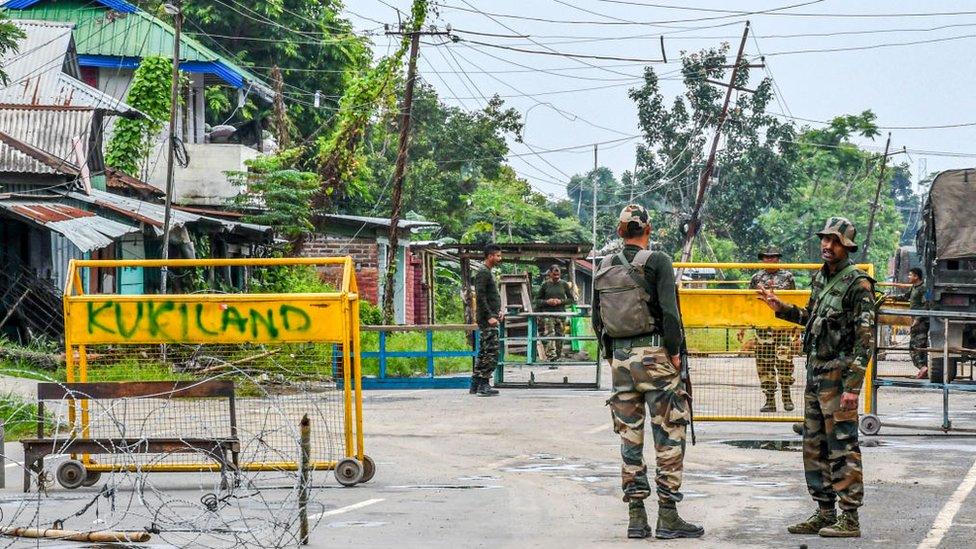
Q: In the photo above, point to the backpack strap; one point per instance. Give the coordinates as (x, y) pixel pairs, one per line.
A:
(635, 268)
(833, 282)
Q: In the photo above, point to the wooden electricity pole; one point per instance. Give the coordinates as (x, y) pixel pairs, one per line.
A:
(694, 224)
(399, 171)
(177, 10)
(877, 197)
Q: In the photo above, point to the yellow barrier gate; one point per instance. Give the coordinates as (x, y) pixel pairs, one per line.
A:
(734, 339)
(259, 340)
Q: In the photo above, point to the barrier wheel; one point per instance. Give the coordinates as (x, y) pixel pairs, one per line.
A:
(870, 424)
(91, 478)
(349, 471)
(71, 474)
(369, 469)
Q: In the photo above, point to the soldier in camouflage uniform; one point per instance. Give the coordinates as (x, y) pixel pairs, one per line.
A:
(489, 314)
(838, 341)
(645, 370)
(774, 346)
(919, 332)
(554, 294)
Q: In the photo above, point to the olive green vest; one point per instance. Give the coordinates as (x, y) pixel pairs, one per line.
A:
(830, 330)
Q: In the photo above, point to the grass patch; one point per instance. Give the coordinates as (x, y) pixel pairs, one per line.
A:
(416, 341)
(19, 417)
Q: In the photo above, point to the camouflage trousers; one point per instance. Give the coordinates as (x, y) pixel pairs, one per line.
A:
(774, 358)
(918, 342)
(643, 376)
(831, 455)
(487, 360)
(552, 327)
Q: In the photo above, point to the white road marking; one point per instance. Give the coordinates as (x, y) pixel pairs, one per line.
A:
(600, 429)
(345, 509)
(944, 519)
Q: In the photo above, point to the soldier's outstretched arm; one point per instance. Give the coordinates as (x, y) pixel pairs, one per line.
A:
(668, 300)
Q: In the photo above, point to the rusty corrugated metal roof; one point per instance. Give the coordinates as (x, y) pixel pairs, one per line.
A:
(86, 230)
(49, 129)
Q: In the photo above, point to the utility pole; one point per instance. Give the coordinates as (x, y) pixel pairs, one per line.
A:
(176, 10)
(695, 222)
(633, 179)
(400, 168)
(877, 197)
(593, 177)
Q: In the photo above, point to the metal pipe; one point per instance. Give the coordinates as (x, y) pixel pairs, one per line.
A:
(946, 424)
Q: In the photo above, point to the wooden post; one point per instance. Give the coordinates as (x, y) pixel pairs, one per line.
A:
(305, 427)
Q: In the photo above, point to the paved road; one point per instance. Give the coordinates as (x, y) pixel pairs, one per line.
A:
(539, 468)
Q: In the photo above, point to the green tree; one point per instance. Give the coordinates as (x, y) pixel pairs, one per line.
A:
(506, 209)
(9, 35)
(836, 178)
(753, 167)
(451, 151)
(280, 195)
(313, 45)
(151, 93)
(610, 198)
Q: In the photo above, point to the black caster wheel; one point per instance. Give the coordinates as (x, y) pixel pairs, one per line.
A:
(71, 474)
(870, 424)
(349, 471)
(369, 469)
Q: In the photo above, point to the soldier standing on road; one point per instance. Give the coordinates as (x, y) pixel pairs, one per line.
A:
(774, 346)
(919, 332)
(635, 315)
(554, 294)
(838, 341)
(489, 305)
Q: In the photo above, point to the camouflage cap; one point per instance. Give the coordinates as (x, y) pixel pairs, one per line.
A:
(843, 229)
(770, 251)
(636, 213)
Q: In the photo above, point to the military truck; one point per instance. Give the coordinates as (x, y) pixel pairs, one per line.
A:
(946, 243)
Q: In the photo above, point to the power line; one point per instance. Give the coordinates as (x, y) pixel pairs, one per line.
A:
(564, 54)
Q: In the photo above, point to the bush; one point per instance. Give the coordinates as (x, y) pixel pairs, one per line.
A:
(293, 279)
(369, 314)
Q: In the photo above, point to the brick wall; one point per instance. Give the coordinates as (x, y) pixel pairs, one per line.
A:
(365, 257)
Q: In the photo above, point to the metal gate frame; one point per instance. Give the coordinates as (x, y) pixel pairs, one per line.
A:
(338, 310)
(532, 337)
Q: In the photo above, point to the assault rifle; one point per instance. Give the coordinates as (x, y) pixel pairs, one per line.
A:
(685, 373)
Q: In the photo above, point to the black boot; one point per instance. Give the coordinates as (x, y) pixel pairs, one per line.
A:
(787, 399)
(671, 526)
(770, 405)
(485, 390)
(475, 383)
(637, 527)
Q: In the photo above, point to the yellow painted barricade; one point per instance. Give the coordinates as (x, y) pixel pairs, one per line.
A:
(256, 339)
(734, 339)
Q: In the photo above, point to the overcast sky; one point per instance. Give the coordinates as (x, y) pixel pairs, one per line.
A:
(925, 83)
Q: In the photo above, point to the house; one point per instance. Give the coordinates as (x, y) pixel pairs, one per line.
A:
(111, 37)
(51, 211)
(366, 239)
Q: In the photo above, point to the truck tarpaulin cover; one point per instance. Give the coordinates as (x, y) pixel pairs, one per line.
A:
(953, 201)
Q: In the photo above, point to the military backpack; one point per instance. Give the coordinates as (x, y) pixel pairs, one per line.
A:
(624, 295)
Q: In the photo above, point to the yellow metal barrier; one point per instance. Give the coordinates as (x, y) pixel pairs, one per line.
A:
(721, 326)
(124, 328)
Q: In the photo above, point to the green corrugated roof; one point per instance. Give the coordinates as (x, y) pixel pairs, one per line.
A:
(100, 31)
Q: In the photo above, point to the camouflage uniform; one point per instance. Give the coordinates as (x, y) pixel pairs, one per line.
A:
(838, 341)
(644, 376)
(550, 326)
(774, 346)
(489, 305)
(919, 332)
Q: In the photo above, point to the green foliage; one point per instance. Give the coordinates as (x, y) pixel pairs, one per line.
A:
(753, 166)
(836, 177)
(9, 35)
(611, 197)
(292, 279)
(150, 93)
(19, 417)
(369, 314)
(416, 341)
(340, 154)
(508, 210)
(283, 193)
(313, 45)
(218, 104)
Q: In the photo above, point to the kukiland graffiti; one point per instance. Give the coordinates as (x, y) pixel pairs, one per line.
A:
(150, 319)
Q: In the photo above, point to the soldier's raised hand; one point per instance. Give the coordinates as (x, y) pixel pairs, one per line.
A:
(768, 296)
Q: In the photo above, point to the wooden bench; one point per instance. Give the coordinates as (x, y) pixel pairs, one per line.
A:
(216, 448)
